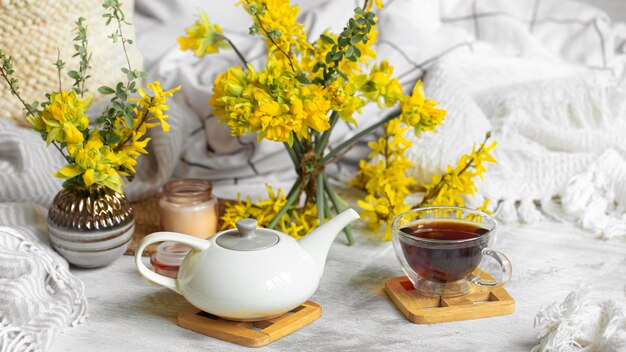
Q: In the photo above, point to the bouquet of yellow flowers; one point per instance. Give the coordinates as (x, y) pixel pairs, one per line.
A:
(298, 97)
(97, 156)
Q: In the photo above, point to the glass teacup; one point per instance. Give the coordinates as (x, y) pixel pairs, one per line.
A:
(443, 250)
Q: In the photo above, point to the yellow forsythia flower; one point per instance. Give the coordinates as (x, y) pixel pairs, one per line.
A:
(271, 102)
(381, 87)
(96, 163)
(379, 4)
(63, 118)
(451, 187)
(297, 222)
(149, 114)
(384, 178)
(419, 112)
(203, 37)
(279, 19)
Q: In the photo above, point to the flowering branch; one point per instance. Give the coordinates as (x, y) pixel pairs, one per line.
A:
(467, 162)
(255, 12)
(6, 71)
(358, 136)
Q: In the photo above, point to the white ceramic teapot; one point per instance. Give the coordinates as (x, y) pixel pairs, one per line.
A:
(249, 273)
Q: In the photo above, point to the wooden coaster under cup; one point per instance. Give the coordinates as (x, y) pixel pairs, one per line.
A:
(250, 334)
(481, 302)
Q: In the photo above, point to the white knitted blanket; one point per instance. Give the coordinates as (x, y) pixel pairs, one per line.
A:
(580, 323)
(38, 295)
(546, 77)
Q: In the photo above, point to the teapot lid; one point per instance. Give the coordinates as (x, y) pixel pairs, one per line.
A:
(247, 237)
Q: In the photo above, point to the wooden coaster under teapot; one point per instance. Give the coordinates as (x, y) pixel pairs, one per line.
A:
(250, 334)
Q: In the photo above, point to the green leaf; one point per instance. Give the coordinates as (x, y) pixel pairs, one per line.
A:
(118, 106)
(301, 77)
(105, 90)
(327, 39)
(350, 51)
(337, 56)
(357, 38)
(329, 57)
(129, 121)
(122, 95)
(74, 74)
(114, 138)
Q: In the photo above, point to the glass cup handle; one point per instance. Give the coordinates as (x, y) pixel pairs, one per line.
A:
(501, 277)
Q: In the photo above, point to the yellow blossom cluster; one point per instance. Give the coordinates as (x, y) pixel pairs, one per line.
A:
(296, 222)
(381, 87)
(148, 114)
(99, 152)
(457, 182)
(419, 112)
(95, 162)
(203, 37)
(276, 21)
(63, 119)
(384, 178)
(271, 102)
(297, 98)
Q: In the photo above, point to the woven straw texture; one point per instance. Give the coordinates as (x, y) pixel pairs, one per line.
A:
(32, 30)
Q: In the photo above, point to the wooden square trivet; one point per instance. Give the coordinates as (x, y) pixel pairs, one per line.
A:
(250, 334)
(481, 302)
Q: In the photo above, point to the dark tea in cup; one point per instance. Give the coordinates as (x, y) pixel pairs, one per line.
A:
(444, 263)
(441, 248)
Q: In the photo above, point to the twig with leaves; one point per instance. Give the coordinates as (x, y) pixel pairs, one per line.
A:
(8, 74)
(81, 51)
(120, 106)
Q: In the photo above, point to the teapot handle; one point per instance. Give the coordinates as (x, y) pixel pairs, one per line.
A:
(168, 282)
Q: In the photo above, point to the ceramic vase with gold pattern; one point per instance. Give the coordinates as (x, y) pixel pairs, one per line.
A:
(90, 228)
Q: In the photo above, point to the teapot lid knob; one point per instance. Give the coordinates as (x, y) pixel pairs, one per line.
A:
(247, 237)
(247, 227)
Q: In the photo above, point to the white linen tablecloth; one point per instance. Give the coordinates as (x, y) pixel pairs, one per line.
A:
(128, 313)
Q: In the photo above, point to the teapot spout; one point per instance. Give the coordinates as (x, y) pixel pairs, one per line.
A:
(317, 242)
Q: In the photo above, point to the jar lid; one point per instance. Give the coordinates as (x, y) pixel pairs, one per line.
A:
(171, 253)
(188, 191)
(247, 237)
